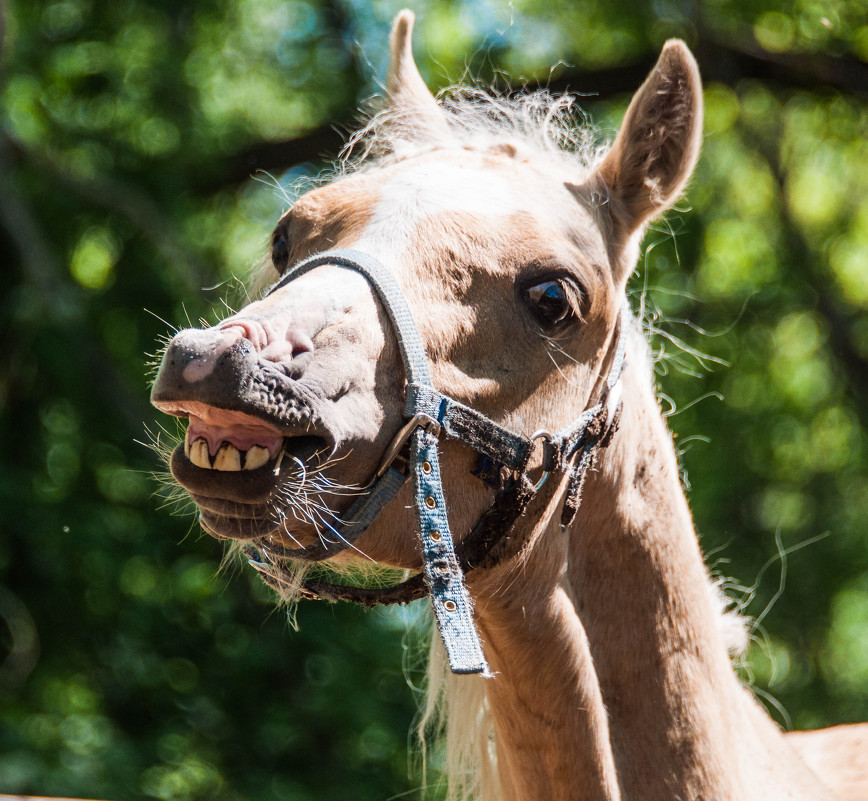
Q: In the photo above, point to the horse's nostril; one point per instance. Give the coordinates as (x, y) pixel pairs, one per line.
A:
(246, 331)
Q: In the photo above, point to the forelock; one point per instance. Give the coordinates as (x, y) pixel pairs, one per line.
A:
(532, 124)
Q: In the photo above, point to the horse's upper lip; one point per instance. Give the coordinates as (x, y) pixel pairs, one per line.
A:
(214, 415)
(221, 439)
(251, 397)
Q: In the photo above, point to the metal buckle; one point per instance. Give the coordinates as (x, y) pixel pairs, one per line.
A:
(426, 421)
(548, 437)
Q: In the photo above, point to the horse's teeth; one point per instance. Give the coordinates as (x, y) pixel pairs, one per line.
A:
(228, 458)
(199, 454)
(257, 456)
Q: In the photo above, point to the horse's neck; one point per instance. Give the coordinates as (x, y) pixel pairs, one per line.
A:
(549, 719)
(651, 615)
(655, 629)
(608, 647)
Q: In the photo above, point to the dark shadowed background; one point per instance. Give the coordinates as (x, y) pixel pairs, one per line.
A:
(143, 148)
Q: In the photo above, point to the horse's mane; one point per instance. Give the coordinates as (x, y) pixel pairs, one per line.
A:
(540, 123)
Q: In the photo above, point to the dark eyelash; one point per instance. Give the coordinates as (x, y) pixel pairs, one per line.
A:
(534, 294)
(279, 252)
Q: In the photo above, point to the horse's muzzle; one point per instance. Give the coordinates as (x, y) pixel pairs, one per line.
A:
(239, 403)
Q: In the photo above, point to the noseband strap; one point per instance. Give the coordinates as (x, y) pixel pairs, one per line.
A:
(504, 462)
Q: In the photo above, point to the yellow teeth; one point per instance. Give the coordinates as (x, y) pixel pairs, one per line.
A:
(228, 457)
(199, 454)
(257, 456)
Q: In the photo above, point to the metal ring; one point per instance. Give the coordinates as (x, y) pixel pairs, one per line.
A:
(420, 419)
(548, 437)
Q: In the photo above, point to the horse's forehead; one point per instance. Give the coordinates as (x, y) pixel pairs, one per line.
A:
(431, 187)
(488, 191)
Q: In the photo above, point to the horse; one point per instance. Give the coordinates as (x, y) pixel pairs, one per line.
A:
(445, 347)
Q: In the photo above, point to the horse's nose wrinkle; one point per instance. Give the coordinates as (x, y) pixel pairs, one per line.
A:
(250, 331)
(274, 339)
(288, 348)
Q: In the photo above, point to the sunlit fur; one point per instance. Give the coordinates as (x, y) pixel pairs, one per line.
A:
(546, 125)
(538, 124)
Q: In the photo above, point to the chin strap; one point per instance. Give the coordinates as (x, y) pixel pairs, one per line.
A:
(504, 462)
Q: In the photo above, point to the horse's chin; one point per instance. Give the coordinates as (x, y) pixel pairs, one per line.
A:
(247, 504)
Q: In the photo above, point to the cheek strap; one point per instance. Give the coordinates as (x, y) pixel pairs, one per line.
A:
(443, 575)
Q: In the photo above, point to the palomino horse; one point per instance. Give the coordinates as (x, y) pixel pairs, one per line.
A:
(582, 599)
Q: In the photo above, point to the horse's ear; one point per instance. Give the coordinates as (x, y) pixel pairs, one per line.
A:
(409, 97)
(656, 149)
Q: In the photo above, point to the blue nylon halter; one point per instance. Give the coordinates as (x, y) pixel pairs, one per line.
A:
(449, 596)
(428, 412)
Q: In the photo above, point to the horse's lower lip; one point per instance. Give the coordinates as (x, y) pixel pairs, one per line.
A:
(231, 527)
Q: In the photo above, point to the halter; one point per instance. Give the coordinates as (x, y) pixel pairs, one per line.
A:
(504, 458)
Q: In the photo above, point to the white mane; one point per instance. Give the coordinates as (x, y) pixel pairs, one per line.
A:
(548, 126)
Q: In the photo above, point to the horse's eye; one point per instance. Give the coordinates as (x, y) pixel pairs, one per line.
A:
(552, 302)
(279, 252)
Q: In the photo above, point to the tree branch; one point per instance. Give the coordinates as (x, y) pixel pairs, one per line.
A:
(828, 305)
(720, 61)
(732, 60)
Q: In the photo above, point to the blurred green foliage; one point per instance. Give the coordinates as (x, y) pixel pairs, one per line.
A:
(131, 667)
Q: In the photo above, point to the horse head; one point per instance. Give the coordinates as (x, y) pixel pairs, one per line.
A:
(512, 256)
